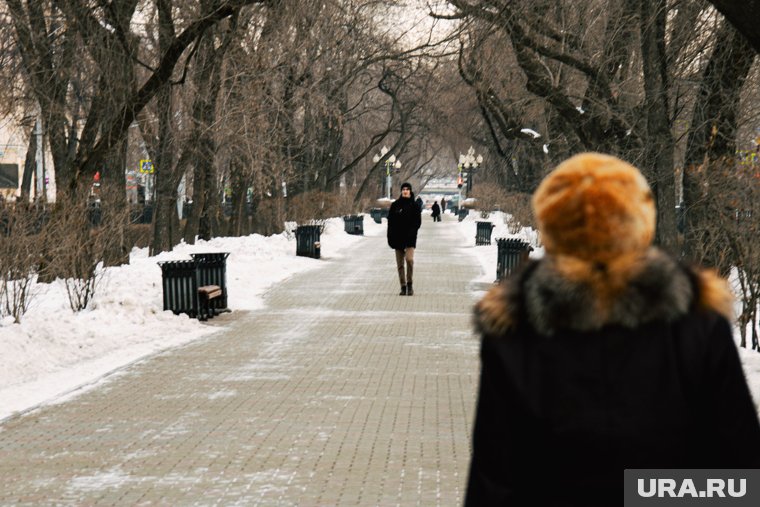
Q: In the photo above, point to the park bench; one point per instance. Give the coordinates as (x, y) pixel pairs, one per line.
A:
(208, 293)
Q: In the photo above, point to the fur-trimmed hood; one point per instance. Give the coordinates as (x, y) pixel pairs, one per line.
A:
(561, 292)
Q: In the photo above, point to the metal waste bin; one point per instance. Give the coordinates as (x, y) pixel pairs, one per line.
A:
(212, 270)
(354, 224)
(180, 284)
(511, 254)
(307, 241)
(483, 233)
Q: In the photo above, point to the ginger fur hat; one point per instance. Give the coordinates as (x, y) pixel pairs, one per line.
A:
(595, 208)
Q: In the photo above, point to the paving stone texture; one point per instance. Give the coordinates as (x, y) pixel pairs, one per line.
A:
(339, 392)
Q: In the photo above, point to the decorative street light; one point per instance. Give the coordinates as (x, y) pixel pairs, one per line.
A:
(389, 162)
(469, 162)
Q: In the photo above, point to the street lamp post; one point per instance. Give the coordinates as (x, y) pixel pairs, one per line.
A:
(460, 181)
(391, 161)
(470, 162)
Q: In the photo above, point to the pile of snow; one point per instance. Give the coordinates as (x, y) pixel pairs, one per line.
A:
(54, 350)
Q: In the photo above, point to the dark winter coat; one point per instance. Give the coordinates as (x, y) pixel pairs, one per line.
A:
(578, 384)
(436, 210)
(404, 218)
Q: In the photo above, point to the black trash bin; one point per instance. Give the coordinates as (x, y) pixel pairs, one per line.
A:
(41, 218)
(354, 224)
(94, 214)
(483, 233)
(463, 213)
(511, 254)
(180, 284)
(147, 214)
(187, 209)
(348, 223)
(307, 241)
(358, 225)
(212, 270)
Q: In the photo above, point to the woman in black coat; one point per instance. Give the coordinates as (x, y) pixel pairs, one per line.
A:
(404, 219)
(604, 355)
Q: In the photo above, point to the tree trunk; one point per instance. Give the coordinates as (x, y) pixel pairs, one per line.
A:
(712, 136)
(659, 144)
(239, 216)
(165, 233)
(204, 220)
(114, 206)
(29, 167)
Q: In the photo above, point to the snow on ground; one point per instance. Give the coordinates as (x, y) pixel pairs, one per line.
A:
(486, 255)
(54, 351)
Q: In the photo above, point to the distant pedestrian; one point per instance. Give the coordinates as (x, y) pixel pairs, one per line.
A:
(436, 212)
(443, 204)
(604, 355)
(404, 219)
(420, 204)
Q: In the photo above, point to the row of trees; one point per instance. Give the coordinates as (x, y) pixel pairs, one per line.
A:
(296, 97)
(279, 96)
(670, 86)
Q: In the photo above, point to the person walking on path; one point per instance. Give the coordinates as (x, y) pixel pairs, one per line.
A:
(443, 205)
(604, 355)
(436, 212)
(404, 219)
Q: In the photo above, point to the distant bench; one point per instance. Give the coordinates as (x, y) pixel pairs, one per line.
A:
(197, 286)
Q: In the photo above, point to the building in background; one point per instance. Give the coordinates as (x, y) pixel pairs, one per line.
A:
(14, 142)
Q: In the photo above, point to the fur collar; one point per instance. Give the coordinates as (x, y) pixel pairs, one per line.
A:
(559, 292)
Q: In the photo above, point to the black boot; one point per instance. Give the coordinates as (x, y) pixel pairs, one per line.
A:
(409, 290)
(403, 291)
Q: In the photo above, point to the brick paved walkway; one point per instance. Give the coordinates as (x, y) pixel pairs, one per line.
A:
(340, 392)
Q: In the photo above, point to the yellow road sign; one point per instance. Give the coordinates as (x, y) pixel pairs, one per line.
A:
(146, 166)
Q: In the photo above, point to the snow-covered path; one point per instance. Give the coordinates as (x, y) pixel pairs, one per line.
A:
(339, 392)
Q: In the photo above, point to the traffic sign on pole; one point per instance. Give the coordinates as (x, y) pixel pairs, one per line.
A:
(146, 166)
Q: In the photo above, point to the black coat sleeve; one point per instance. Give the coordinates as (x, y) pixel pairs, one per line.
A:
(391, 233)
(731, 431)
(495, 452)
